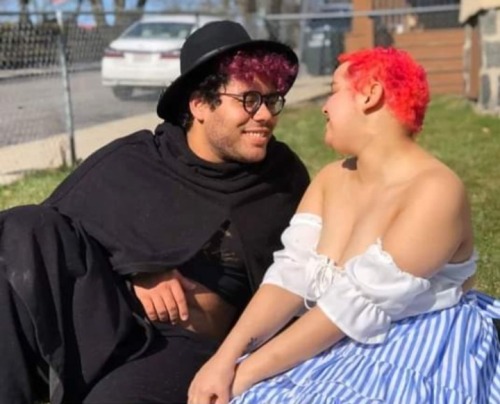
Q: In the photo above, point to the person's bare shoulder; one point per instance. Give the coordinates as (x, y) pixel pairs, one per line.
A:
(332, 172)
(432, 224)
(439, 184)
(312, 202)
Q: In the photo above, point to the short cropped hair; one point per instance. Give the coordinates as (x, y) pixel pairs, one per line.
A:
(406, 90)
(244, 65)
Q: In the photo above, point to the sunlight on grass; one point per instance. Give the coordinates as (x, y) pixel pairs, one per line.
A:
(33, 189)
(303, 129)
(469, 143)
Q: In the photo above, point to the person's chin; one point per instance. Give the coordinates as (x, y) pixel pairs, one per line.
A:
(255, 156)
(335, 145)
(330, 143)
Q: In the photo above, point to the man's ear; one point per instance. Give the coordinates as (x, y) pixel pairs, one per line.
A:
(373, 96)
(198, 108)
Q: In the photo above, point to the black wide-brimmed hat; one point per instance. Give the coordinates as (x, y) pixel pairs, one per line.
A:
(201, 47)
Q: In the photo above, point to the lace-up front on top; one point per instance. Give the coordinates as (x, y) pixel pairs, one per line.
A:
(369, 292)
(320, 274)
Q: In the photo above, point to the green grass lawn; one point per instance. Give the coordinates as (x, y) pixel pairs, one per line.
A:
(466, 141)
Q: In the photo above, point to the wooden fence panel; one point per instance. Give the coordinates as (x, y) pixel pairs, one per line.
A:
(440, 52)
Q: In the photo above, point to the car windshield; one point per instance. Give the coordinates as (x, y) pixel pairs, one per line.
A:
(160, 30)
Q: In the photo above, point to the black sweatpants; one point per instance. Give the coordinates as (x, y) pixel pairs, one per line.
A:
(162, 375)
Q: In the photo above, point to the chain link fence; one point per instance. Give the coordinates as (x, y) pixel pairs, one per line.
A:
(50, 68)
(50, 78)
(51, 87)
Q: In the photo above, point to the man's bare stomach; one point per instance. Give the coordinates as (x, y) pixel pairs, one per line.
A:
(209, 314)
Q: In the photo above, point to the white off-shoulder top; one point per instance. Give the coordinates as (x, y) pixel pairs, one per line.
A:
(369, 292)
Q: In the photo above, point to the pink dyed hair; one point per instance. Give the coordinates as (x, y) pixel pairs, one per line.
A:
(270, 67)
(406, 90)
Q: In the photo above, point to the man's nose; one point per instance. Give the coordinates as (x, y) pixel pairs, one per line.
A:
(263, 113)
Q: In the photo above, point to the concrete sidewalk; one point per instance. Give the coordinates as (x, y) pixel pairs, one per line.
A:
(53, 151)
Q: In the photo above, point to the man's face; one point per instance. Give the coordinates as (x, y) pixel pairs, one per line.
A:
(228, 132)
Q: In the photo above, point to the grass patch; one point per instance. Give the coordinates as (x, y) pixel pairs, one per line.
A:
(34, 188)
(469, 143)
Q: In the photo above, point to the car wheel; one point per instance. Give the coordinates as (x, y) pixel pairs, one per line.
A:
(123, 93)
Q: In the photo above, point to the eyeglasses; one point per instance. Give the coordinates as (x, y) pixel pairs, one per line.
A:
(252, 100)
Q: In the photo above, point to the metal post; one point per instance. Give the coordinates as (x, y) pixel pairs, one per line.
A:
(68, 105)
(304, 8)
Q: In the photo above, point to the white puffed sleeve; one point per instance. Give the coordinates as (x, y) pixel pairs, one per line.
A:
(368, 294)
(300, 240)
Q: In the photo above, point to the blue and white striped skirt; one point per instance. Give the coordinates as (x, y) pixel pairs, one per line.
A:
(449, 356)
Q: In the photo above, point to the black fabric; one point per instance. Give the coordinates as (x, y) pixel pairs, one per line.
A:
(172, 361)
(219, 266)
(142, 203)
(22, 381)
(81, 320)
(153, 204)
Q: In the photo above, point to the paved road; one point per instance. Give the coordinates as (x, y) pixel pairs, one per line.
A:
(33, 108)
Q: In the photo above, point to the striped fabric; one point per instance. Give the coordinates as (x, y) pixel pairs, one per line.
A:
(449, 356)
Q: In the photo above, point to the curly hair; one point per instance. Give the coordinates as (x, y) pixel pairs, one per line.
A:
(243, 65)
(406, 90)
(270, 67)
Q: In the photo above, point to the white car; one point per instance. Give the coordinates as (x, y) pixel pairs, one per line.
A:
(146, 55)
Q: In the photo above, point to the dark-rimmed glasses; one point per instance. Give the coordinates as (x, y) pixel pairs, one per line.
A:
(252, 100)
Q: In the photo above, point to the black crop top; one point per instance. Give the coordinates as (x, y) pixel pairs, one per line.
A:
(220, 267)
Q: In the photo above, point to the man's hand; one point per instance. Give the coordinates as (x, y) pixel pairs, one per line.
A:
(162, 295)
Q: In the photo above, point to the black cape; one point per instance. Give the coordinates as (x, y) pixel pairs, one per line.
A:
(152, 203)
(142, 203)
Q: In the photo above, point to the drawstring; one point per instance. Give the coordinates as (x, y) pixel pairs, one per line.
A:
(320, 275)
